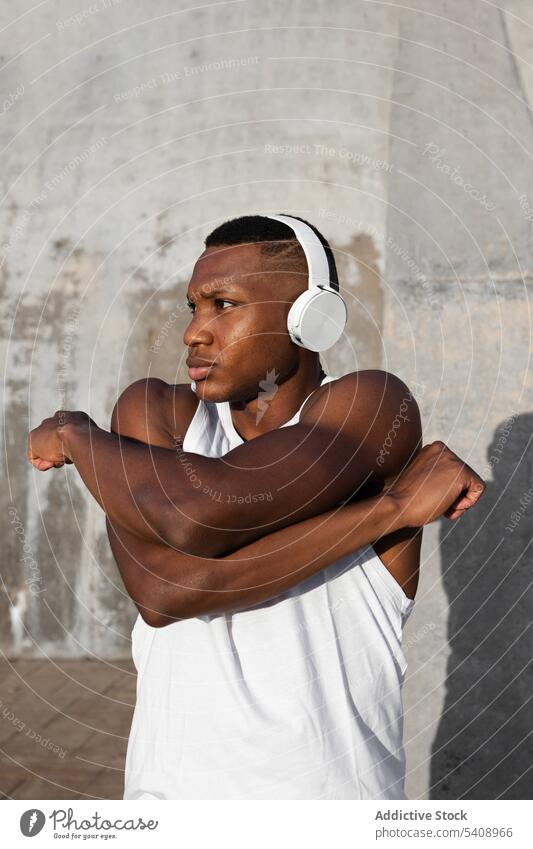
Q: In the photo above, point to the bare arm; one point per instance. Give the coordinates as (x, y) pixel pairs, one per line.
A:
(277, 479)
(167, 585)
(119, 472)
(329, 456)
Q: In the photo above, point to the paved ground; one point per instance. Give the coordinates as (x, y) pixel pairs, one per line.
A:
(64, 728)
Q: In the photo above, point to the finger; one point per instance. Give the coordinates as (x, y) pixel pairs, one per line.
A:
(466, 500)
(476, 488)
(41, 465)
(454, 512)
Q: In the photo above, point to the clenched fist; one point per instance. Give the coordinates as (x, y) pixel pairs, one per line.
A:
(436, 483)
(47, 448)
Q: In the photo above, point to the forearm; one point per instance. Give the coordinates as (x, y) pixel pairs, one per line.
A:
(125, 476)
(167, 585)
(273, 564)
(258, 488)
(167, 496)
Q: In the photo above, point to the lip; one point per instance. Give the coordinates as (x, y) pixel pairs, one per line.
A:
(200, 372)
(199, 368)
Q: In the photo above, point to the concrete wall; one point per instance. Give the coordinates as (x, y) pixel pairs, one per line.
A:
(128, 132)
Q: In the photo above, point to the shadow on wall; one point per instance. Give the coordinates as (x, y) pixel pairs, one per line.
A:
(484, 745)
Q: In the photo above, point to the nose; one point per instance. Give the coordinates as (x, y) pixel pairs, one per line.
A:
(197, 332)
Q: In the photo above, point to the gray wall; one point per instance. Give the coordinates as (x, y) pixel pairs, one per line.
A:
(131, 130)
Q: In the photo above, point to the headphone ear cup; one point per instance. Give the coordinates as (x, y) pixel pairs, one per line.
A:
(317, 319)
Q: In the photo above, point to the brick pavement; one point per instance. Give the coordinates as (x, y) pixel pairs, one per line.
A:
(64, 727)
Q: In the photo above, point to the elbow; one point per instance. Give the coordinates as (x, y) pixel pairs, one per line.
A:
(149, 616)
(157, 612)
(157, 620)
(150, 603)
(176, 613)
(166, 602)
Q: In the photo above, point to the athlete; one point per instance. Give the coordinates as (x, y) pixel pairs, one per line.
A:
(266, 519)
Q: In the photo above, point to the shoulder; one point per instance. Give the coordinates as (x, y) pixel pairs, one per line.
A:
(371, 391)
(375, 380)
(374, 411)
(151, 410)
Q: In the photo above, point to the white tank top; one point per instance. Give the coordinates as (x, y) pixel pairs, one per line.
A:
(295, 698)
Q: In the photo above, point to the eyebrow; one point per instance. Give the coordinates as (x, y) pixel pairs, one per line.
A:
(234, 289)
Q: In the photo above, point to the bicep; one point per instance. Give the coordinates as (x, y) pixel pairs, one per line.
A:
(330, 456)
(137, 413)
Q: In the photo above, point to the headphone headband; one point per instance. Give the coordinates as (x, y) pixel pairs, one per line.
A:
(318, 316)
(315, 253)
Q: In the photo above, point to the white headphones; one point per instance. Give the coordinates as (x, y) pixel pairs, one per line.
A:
(318, 316)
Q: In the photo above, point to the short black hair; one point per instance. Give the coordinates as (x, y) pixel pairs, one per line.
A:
(259, 228)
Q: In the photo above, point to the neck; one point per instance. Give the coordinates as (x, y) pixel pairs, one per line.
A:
(277, 404)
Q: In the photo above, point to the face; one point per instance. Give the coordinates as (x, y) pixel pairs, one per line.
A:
(238, 329)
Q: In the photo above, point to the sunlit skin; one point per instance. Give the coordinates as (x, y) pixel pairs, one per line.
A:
(240, 301)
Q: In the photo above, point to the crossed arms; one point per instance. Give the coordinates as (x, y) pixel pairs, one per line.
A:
(331, 455)
(339, 480)
(182, 553)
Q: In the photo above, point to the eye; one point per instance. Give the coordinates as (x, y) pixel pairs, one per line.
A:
(218, 301)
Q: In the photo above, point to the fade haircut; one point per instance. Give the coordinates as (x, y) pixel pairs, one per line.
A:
(279, 240)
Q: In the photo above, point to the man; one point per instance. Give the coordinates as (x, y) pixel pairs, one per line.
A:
(268, 529)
